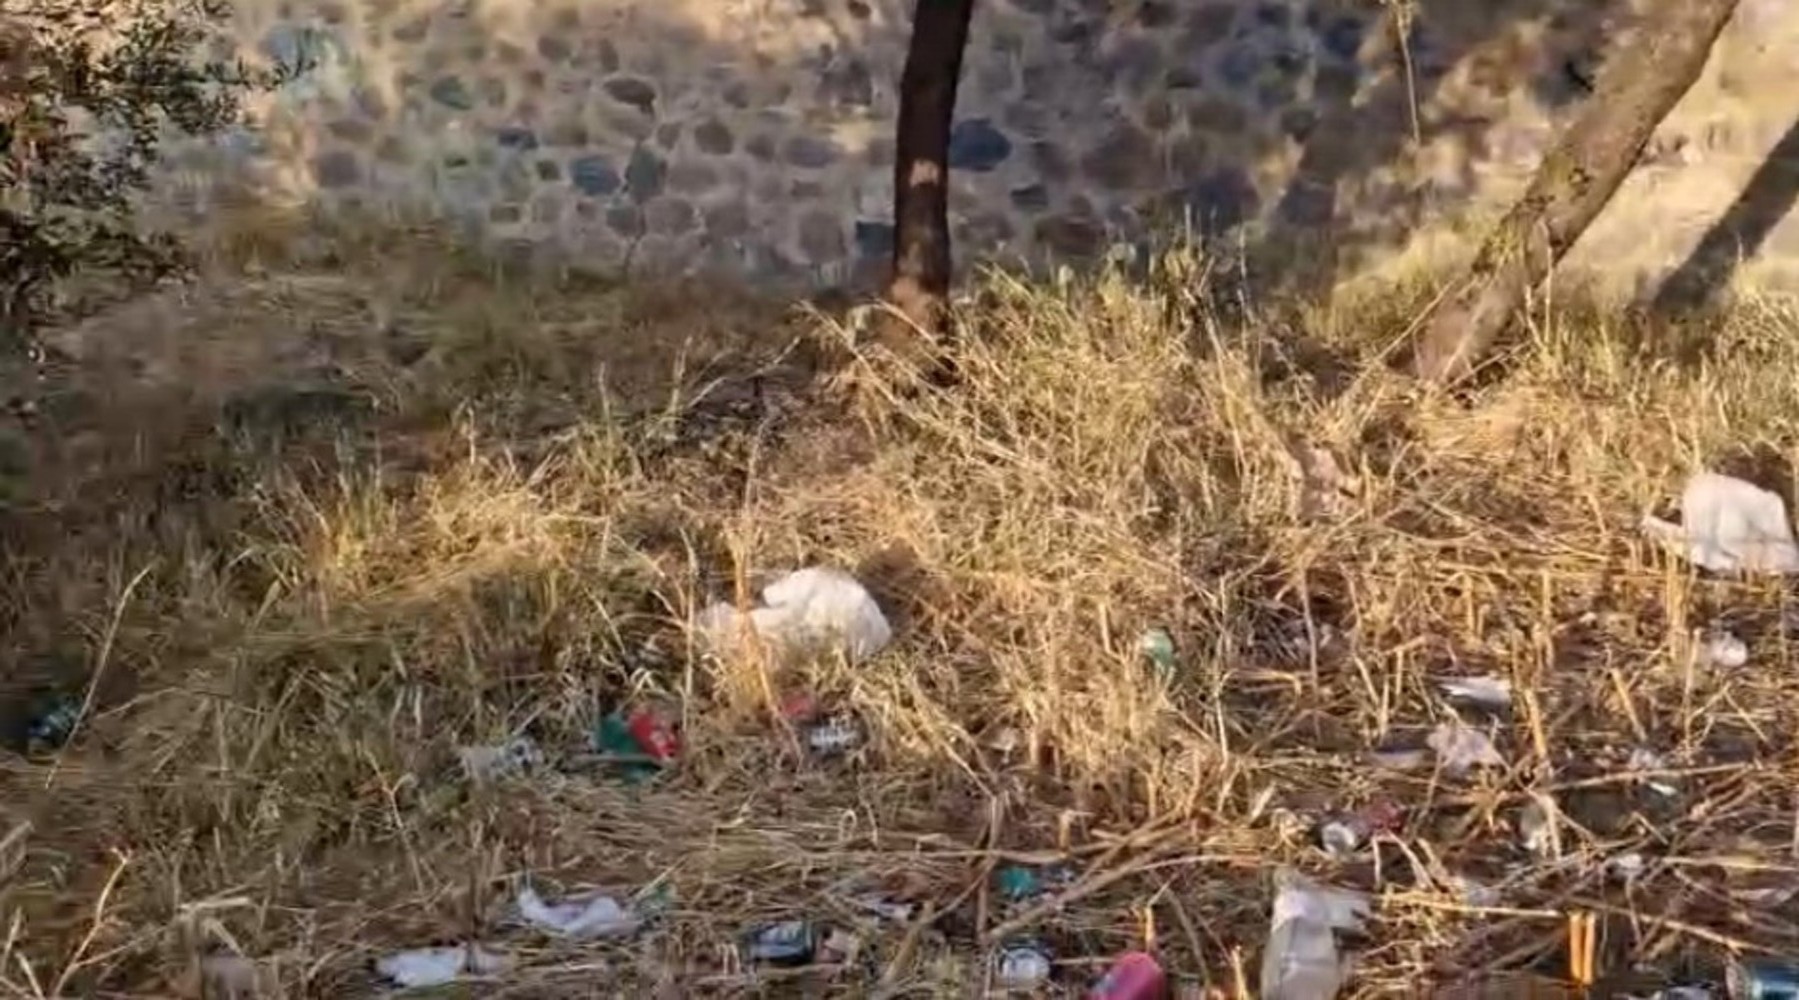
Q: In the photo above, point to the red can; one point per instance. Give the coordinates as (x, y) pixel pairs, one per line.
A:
(653, 735)
(1135, 976)
(799, 707)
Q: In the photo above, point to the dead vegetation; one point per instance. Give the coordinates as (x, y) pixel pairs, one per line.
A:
(293, 535)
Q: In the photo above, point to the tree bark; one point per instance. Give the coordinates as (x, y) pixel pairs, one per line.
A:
(919, 284)
(1646, 77)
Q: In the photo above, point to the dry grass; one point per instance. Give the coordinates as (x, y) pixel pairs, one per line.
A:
(297, 535)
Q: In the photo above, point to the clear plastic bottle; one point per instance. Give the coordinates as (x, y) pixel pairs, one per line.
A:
(1301, 960)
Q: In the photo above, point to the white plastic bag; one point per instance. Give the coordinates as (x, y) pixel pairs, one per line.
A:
(594, 916)
(437, 966)
(1729, 525)
(810, 608)
(1721, 648)
(1462, 748)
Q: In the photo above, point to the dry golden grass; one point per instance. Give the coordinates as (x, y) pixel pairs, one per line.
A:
(296, 535)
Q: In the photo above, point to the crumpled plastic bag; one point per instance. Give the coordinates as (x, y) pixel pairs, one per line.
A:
(807, 609)
(1301, 960)
(1460, 748)
(438, 966)
(594, 916)
(1721, 648)
(1729, 525)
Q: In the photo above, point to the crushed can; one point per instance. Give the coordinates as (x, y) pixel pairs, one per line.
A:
(800, 707)
(787, 943)
(838, 735)
(613, 736)
(1018, 883)
(1135, 976)
(1023, 962)
(1344, 835)
(654, 735)
(1763, 979)
(1158, 646)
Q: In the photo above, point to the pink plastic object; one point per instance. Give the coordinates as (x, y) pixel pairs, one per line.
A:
(1135, 976)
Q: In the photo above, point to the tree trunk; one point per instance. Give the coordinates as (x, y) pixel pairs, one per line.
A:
(1645, 78)
(919, 284)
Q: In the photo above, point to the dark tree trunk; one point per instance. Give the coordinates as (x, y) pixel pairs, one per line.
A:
(1645, 78)
(919, 285)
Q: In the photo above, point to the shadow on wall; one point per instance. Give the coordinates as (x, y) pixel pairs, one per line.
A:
(742, 136)
(1465, 90)
(753, 137)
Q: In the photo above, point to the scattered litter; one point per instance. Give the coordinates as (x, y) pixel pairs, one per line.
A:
(439, 966)
(618, 737)
(594, 916)
(1762, 979)
(838, 735)
(1720, 648)
(1023, 963)
(788, 943)
(886, 908)
(518, 755)
(1645, 759)
(1158, 646)
(1345, 835)
(654, 735)
(808, 608)
(1301, 961)
(1135, 976)
(800, 707)
(1626, 866)
(1537, 827)
(1486, 692)
(1018, 883)
(1460, 748)
(1341, 838)
(1728, 524)
(53, 721)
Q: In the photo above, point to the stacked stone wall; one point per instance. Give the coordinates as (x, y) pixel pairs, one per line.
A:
(753, 137)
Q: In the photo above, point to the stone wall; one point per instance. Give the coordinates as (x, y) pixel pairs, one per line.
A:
(754, 136)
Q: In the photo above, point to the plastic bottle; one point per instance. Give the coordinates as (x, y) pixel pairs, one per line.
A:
(1301, 961)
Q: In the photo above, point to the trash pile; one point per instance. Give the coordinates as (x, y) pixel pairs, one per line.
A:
(1726, 526)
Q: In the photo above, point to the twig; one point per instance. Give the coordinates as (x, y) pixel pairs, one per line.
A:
(902, 956)
(93, 930)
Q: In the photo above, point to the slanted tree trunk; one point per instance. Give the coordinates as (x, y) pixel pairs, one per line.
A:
(1642, 82)
(919, 284)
